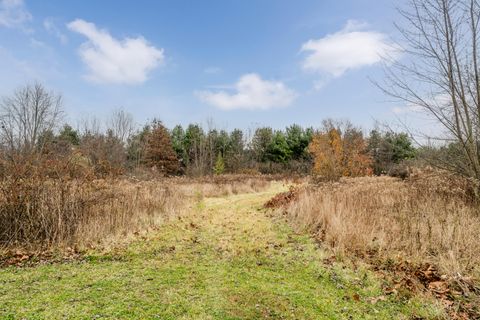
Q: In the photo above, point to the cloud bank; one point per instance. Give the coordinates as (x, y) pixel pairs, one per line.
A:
(348, 49)
(250, 92)
(109, 60)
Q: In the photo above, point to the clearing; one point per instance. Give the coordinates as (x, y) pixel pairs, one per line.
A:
(227, 258)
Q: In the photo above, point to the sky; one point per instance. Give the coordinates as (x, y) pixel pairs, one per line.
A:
(238, 63)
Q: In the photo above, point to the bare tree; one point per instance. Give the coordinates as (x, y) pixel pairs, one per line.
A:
(440, 73)
(30, 112)
(122, 124)
(89, 126)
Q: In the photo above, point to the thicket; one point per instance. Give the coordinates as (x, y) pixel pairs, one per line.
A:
(333, 151)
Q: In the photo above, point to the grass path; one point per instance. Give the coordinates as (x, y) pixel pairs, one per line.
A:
(226, 259)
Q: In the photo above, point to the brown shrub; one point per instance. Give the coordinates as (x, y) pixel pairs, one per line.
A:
(45, 202)
(338, 154)
(51, 202)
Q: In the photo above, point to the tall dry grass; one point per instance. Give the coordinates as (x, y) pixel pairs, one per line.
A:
(426, 219)
(47, 203)
(73, 212)
(223, 185)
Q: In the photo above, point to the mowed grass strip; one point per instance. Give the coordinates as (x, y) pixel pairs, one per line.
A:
(226, 259)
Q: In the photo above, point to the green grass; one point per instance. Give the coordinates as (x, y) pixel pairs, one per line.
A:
(226, 259)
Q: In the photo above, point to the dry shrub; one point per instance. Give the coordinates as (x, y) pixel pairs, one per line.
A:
(51, 202)
(45, 202)
(249, 171)
(125, 206)
(339, 154)
(388, 218)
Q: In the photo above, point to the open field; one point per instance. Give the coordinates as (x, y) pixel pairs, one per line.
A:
(37, 212)
(223, 258)
(195, 160)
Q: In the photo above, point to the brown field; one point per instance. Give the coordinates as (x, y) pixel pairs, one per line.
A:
(76, 213)
(417, 233)
(389, 217)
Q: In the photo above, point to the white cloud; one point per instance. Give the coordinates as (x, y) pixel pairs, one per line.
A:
(14, 14)
(51, 28)
(350, 48)
(109, 60)
(250, 92)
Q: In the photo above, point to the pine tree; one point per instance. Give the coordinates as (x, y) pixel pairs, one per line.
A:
(219, 164)
(159, 152)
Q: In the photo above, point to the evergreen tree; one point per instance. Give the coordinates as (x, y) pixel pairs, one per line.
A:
(197, 151)
(260, 143)
(222, 142)
(219, 164)
(235, 155)
(278, 150)
(159, 151)
(68, 134)
(389, 149)
(178, 142)
(402, 148)
(298, 140)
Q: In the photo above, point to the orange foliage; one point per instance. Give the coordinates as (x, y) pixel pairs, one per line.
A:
(336, 155)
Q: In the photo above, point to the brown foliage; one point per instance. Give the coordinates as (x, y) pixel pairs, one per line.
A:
(159, 153)
(223, 185)
(47, 201)
(336, 155)
(283, 199)
(104, 153)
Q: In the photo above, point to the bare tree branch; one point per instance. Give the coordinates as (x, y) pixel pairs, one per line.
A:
(440, 73)
(26, 115)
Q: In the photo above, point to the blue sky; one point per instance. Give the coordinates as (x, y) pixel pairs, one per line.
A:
(241, 63)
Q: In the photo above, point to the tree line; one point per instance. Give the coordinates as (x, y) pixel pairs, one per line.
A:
(29, 129)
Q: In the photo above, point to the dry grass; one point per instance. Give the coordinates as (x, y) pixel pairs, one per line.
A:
(426, 219)
(224, 185)
(73, 213)
(41, 212)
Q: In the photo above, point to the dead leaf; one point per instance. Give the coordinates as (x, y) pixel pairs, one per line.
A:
(439, 287)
